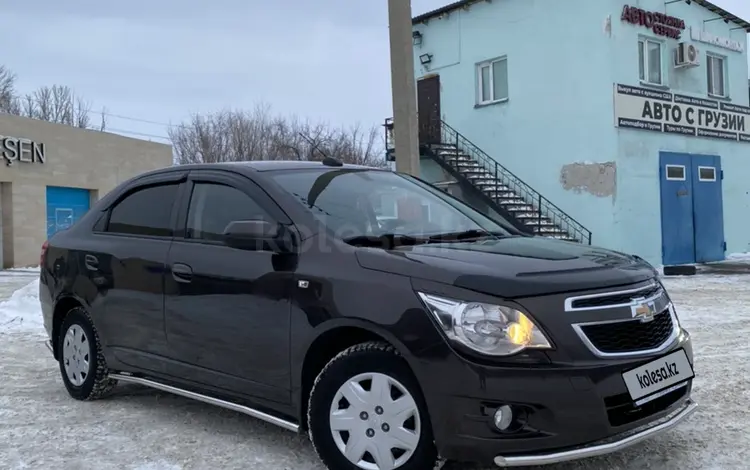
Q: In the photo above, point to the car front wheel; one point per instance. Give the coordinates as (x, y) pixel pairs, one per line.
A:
(366, 412)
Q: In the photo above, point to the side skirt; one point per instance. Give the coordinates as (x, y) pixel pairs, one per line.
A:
(207, 399)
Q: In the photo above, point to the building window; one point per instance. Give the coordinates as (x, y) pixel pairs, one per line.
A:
(650, 66)
(706, 173)
(493, 81)
(675, 172)
(715, 67)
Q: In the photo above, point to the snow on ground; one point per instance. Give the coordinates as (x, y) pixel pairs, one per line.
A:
(20, 313)
(140, 429)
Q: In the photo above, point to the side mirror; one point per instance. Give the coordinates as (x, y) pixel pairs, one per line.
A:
(257, 235)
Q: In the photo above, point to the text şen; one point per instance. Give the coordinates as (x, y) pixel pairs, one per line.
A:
(22, 150)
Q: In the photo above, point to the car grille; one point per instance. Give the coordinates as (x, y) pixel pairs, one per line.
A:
(621, 410)
(630, 336)
(617, 298)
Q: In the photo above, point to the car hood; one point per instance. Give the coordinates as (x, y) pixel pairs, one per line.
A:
(511, 267)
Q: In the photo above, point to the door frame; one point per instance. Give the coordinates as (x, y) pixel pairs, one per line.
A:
(690, 179)
(429, 124)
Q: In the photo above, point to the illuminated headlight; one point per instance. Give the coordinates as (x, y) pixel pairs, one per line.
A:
(490, 329)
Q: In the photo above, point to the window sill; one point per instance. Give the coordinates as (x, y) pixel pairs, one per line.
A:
(720, 98)
(491, 103)
(654, 85)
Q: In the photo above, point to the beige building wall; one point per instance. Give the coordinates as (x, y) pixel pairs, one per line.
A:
(77, 158)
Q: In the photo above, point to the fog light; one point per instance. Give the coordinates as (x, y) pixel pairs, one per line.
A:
(503, 417)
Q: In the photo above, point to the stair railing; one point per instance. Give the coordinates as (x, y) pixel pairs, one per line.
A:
(543, 207)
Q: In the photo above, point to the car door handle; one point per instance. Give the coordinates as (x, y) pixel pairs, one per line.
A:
(91, 262)
(182, 272)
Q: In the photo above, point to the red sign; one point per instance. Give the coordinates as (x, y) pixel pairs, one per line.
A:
(661, 24)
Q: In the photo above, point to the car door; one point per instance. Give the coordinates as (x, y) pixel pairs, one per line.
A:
(228, 310)
(127, 260)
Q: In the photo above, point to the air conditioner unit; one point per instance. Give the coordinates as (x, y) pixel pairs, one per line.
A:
(686, 55)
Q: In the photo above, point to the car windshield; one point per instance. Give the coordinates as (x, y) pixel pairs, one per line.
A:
(373, 203)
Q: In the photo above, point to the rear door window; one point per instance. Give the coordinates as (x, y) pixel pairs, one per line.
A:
(147, 212)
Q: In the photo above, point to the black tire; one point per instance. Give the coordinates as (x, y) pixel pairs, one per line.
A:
(96, 383)
(370, 357)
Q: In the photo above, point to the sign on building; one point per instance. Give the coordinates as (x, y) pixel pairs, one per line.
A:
(718, 41)
(14, 150)
(671, 113)
(659, 23)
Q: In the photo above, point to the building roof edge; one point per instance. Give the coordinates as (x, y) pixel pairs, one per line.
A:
(712, 7)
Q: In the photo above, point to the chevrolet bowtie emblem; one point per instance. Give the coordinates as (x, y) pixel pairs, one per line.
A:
(642, 310)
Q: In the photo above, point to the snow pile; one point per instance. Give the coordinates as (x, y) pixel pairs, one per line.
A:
(21, 313)
(28, 269)
(744, 257)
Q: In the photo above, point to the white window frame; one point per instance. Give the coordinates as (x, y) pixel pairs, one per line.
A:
(490, 63)
(708, 180)
(710, 79)
(670, 178)
(643, 43)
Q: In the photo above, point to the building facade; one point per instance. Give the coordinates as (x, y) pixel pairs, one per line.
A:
(52, 173)
(624, 123)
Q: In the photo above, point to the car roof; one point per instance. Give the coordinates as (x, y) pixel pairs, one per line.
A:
(260, 166)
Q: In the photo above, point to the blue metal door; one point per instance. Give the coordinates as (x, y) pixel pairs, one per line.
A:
(677, 229)
(708, 208)
(64, 207)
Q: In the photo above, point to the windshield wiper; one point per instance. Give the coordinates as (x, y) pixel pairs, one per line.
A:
(465, 236)
(391, 240)
(386, 241)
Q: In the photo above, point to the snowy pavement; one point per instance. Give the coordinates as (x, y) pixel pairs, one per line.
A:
(140, 429)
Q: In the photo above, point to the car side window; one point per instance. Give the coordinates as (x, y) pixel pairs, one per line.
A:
(213, 206)
(146, 211)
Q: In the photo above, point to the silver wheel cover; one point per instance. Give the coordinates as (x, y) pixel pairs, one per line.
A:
(375, 422)
(76, 355)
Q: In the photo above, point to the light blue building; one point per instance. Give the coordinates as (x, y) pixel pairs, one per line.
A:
(628, 123)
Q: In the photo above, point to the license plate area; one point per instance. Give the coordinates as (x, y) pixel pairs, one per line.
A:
(658, 377)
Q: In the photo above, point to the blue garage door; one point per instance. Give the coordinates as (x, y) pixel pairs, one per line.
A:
(692, 215)
(708, 208)
(64, 207)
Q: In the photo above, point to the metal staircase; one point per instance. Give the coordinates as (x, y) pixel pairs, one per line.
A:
(507, 194)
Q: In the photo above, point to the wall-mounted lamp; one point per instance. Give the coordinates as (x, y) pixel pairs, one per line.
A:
(425, 59)
(416, 38)
(720, 18)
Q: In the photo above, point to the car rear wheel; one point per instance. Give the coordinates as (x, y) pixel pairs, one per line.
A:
(366, 412)
(82, 365)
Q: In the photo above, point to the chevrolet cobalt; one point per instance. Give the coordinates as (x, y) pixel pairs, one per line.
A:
(393, 323)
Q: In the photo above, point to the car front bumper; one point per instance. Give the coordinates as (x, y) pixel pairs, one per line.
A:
(568, 411)
(616, 444)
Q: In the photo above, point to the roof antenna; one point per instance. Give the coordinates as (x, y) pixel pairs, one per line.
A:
(314, 145)
(328, 161)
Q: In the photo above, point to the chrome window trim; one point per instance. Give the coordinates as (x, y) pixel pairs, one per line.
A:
(577, 327)
(569, 301)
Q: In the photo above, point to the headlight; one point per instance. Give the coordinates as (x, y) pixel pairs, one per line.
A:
(490, 329)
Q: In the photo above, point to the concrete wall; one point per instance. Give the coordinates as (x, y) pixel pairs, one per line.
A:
(556, 131)
(92, 160)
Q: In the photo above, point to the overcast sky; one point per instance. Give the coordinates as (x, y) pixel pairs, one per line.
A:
(161, 60)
